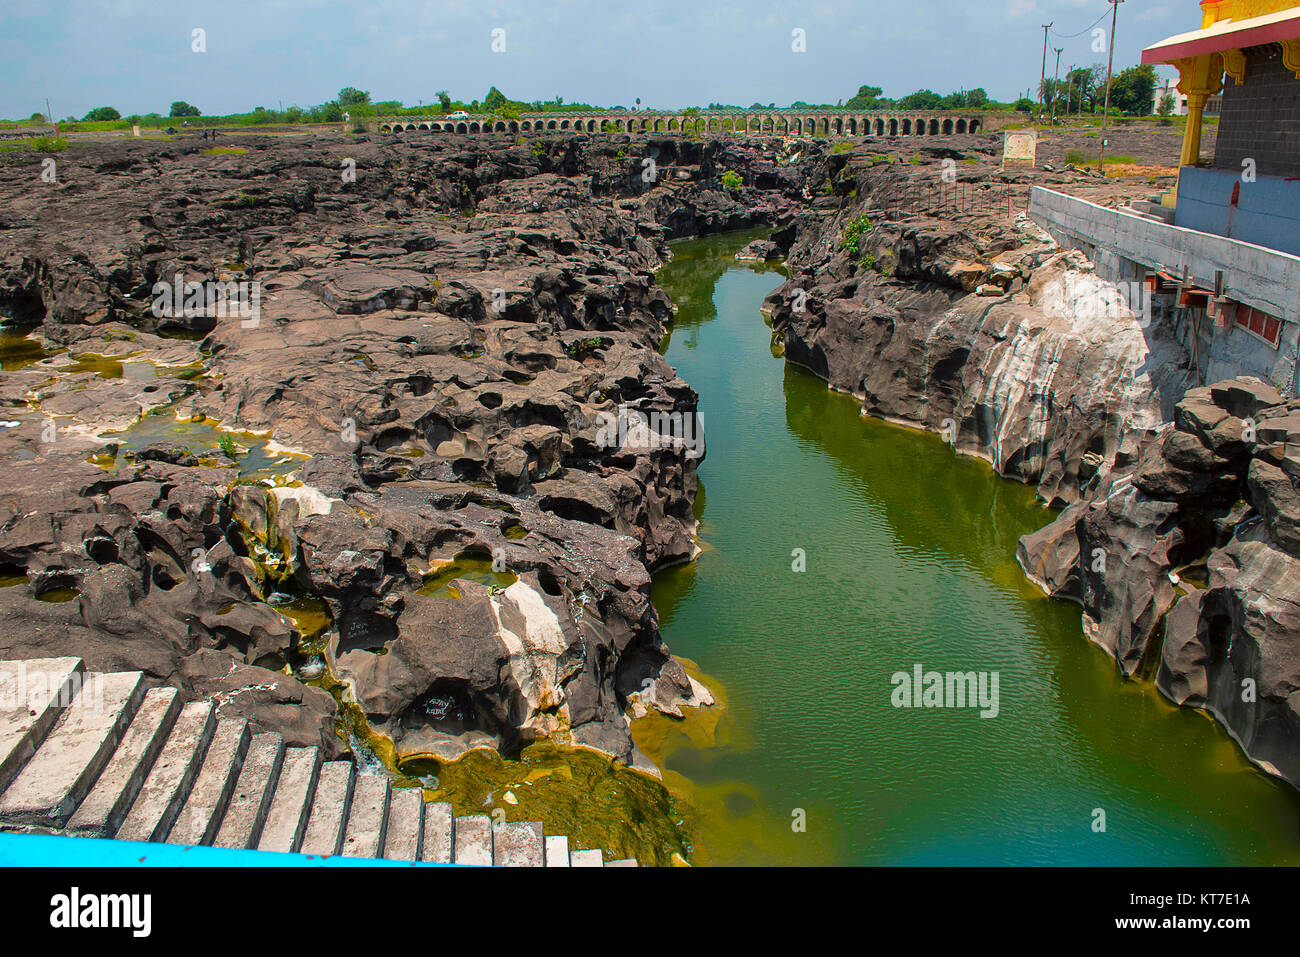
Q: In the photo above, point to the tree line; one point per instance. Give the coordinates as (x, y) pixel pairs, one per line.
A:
(1081, 89)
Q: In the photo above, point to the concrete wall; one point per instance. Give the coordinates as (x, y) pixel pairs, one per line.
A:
(1267, 211)
(1261, 117)
(1124, 246)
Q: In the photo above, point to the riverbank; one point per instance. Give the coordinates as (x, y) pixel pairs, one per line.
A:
(908, 557)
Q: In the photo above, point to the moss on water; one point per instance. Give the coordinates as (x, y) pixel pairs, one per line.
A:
(593, 799)
(743, 826)
(469, 565)
(203, 439)
(19, 348)
(310, 616)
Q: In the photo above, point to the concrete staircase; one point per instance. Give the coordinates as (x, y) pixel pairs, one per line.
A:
(98, 755)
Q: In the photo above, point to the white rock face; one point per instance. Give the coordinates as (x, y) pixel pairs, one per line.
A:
(531, 632)
(311, 500)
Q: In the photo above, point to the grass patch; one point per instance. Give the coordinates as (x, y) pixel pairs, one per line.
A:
(229, 447)
(225, 151)
(49, 144)
(1127, 160)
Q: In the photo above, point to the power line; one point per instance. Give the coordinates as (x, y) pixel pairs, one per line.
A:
(1071, 36)
(1110, 68)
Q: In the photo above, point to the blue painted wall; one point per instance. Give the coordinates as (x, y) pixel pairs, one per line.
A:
(1267, 213)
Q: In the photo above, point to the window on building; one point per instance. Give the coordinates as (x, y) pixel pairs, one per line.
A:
(1259, 323)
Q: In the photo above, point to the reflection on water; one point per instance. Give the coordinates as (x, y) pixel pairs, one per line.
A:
(909, 557)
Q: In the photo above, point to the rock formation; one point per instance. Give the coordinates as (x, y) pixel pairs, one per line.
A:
(439, 331)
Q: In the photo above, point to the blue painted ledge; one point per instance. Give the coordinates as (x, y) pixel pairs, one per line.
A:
(44, 850)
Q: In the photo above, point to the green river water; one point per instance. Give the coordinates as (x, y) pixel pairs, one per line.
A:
(909, 559)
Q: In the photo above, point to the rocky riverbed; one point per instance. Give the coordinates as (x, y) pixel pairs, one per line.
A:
(942, 306)
(389, 477)
(390, 488)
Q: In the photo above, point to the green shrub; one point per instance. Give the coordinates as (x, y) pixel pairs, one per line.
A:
(49, 144)
(732, 180)
(1075, 157)
(853, 232)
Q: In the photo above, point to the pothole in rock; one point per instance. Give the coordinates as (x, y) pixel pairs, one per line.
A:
(198, 443)
(19, 348)
(470, 565)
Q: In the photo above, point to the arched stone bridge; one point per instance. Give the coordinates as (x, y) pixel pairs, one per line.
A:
(799, 122)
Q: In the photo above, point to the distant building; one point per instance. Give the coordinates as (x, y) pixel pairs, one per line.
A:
(1170, 88)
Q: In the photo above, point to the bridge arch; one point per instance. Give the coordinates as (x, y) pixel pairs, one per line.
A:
(714, 123)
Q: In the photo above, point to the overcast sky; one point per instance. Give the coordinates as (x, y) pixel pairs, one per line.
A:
(136, 55)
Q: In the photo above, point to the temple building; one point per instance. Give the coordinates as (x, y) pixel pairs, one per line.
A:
(1248, 51)
(1219, 254)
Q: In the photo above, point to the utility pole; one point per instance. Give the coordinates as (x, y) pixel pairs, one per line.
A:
(1105, 115)
(1042, 80)
(1056, 81)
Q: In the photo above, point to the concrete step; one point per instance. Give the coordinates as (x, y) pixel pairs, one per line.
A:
(405, 829)
(517, 844)
(591, 858)
(241, 825)
(473, 840)
(100, 814)
(626, 862)
(369, 816)
(168, 785)
(1152, 210)
(286, 821)
(329, 812)
(32, 695)
(202, 811)
(438, 825)
(557, 850)
(67, 762)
